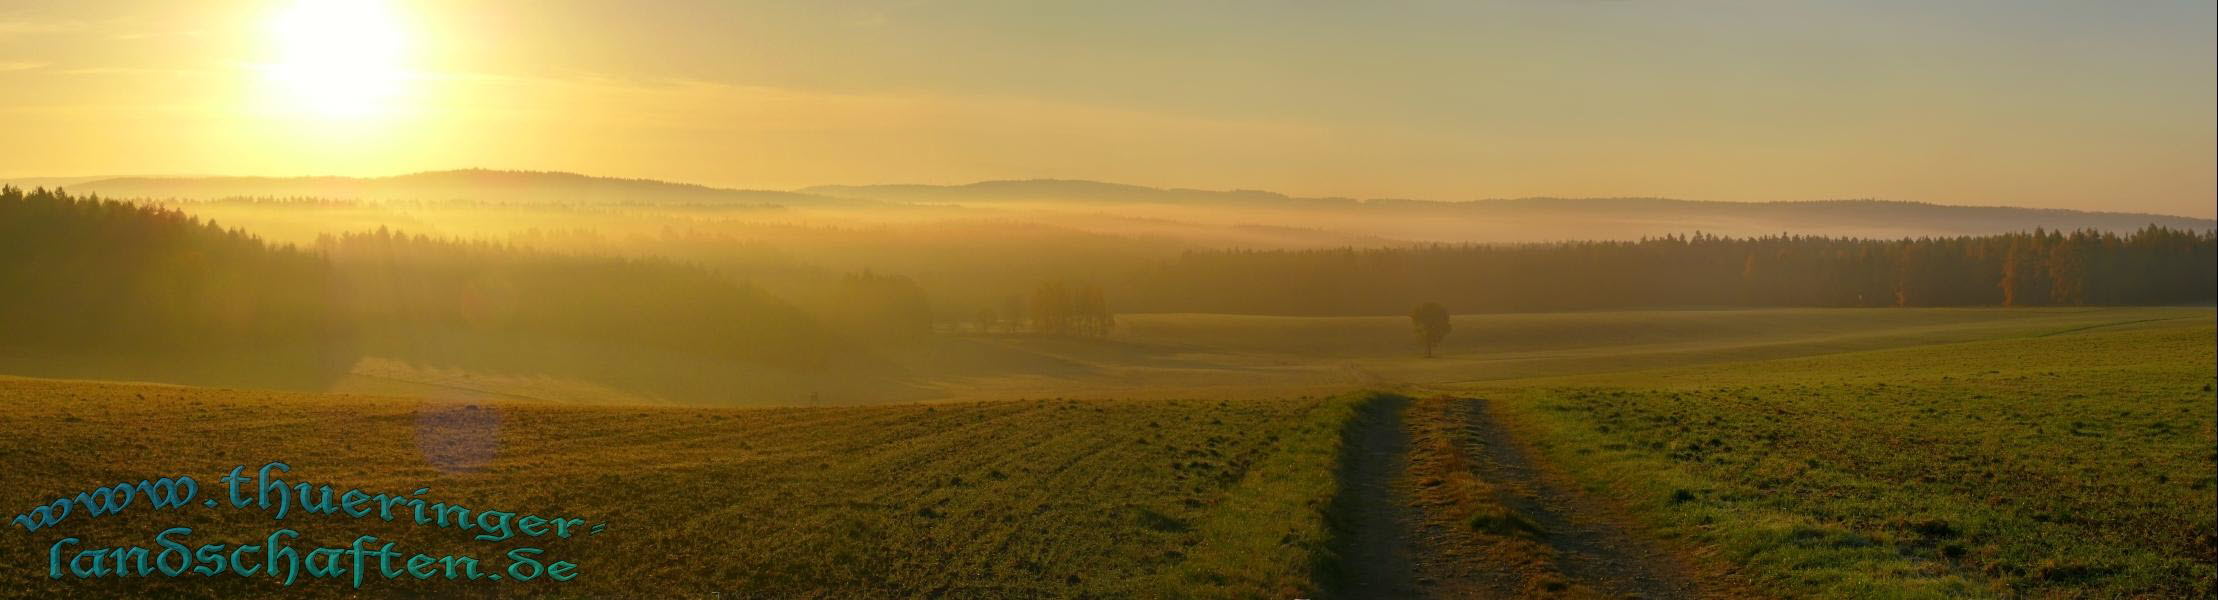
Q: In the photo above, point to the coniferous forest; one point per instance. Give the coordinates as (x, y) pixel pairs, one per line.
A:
(90, 274)
(2153, 266)
(119, 281)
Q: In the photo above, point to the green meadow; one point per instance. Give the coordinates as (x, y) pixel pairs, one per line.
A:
(2074, 462)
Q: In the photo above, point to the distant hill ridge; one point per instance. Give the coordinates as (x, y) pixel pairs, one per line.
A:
(1912, 218)
(1080, 189)
(1881, 218)
(523, 187)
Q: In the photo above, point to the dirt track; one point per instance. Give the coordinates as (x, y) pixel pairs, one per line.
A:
(1374, 545)
(1420, 476)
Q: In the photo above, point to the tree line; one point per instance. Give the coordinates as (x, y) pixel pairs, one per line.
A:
(1053, 308)
(405, 287)
(100, 279)
(2151, 266)
(86, 274)
(105, 278)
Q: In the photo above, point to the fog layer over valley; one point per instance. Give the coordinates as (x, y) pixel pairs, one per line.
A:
(561, 287)
(1243, 218)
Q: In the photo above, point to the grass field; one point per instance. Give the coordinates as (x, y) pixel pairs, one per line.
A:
(1237, 357)
(1041, 497)
(2077, 464)
(1902, 453)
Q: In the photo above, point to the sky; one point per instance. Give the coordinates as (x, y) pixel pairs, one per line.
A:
(2040, 103)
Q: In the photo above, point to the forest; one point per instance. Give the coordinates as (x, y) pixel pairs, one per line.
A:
(84, 274)
(92, 278)
(2152, 266)
(399, 285)
(116, 277)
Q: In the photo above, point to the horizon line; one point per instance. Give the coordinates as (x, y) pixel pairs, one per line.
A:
(86, 179)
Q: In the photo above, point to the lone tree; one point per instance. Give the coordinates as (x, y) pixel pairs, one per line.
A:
(1432, 324)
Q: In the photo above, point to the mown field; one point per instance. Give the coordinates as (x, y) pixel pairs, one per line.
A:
(1009, 499)
(2075, 464)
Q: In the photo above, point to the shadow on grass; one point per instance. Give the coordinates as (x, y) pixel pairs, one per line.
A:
(1368, 552)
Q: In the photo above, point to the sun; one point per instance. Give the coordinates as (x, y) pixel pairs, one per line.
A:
(337, 60)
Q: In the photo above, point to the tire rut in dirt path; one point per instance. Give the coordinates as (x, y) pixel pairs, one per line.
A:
(1592, 549)
(1372, 520)
(1439, 499)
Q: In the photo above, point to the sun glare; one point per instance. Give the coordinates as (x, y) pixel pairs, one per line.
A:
(337, 59)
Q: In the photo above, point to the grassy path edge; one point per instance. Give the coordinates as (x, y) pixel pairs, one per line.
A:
(1271, 536)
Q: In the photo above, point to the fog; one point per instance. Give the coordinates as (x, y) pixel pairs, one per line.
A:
(566, 288)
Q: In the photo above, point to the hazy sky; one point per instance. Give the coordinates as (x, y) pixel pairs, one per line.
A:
(2074, 104)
